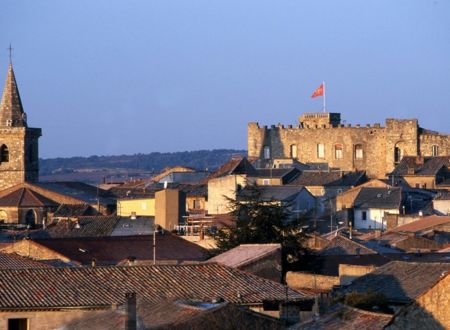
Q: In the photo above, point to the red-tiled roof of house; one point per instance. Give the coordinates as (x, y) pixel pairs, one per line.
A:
(15, 261)
(236, 165)
(104, 286)
(24, 197)
(342, 317)
(341, 245)
(423, 224)
(88, 226)
(245, 254)
(112, 250)
(180, 315)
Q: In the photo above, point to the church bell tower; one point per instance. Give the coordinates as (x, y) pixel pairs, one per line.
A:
(19, 154)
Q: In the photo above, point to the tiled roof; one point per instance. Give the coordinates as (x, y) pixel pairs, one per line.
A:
(112, 250)
(79, 190)
(88, 226)
(423, 224)
(131, 227)
(24, 197)
(341, 245)
(103, 286)
(416, 165)
(245, 254)
(290, 173)
(400, 281)
(341, 317)
(271, 193)
(443, 195)
(329, 179)
(236, 165)
(180, 315)
(15, 261)
(381, 198)
(72, 210)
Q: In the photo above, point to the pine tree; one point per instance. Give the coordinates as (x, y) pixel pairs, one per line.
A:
(260, 221)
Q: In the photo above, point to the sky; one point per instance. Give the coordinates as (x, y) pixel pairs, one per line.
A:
(111, 77)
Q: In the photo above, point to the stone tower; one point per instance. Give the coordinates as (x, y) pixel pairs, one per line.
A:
(19, 154)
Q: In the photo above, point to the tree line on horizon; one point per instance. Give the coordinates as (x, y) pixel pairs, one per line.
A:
(152, 162)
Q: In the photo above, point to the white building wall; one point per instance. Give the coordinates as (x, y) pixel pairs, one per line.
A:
(374, 218)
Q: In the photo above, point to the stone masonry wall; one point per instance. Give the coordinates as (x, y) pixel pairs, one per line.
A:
(430, 310)
(378, 144)
(23, 164)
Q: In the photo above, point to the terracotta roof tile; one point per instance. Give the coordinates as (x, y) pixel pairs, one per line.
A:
(103, 286)
(112, 250)
(423, 224)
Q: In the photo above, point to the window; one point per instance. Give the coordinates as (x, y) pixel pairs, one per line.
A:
(294, 151)
(18, 324)
(398, 154)
(320, 150)
(266, 152)
(197, 204)
(359, 154)
(364, 215)
(4, 154)
(9, 122)
(434, 150)
(338, 153)
(266, 182)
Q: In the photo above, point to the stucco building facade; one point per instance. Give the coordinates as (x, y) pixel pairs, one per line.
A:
(322, 138)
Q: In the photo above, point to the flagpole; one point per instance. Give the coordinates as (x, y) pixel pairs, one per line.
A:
(324, 98)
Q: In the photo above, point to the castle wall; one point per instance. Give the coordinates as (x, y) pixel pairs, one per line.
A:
(379, 143)
(280, 140)
(427, 141)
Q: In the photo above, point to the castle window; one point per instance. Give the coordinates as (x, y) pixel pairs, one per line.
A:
(4, 154)
(398, 155)
(294, 151)
(320, 150)
(338, 152)
(266, 152)
(434, 150)
(359, 153)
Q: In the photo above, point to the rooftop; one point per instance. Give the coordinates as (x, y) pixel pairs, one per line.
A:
(382, 198)
(87, 286)
(424, 223)
(400, 281)
(114, 249)
(329, 178)
(425, 166)
(245, 254)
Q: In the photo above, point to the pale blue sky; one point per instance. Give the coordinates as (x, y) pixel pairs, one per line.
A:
(122, 77)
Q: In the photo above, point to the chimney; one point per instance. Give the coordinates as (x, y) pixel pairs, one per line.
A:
(130, 311)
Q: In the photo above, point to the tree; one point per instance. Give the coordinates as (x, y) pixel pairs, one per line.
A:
(260, 221)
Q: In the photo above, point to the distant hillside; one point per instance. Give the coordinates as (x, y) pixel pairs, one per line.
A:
(94, 169)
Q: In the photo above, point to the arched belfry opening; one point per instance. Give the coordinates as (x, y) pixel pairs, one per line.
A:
(4, 154)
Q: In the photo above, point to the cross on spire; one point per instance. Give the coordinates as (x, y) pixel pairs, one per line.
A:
(10, 49)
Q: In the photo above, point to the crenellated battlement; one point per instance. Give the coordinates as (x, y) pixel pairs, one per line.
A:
(321, 137)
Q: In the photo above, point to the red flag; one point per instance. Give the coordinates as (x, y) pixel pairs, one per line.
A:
(318, 92)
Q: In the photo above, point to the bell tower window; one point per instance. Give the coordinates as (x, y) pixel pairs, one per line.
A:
(434, 150)
(4, 154)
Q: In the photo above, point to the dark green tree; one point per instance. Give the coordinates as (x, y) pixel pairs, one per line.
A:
(259, 221)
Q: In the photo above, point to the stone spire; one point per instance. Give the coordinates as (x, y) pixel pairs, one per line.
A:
(11, 110)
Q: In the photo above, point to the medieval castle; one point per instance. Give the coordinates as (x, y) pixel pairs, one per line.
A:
(321, 138)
